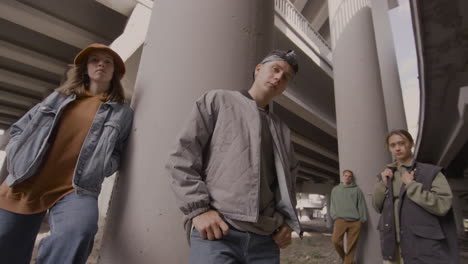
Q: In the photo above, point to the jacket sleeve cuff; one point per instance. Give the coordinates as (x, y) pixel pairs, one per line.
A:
(197, 212)
(411, 183)
(412, 187)
(379, 190)
(381, 187)
(379, 195)
(195, 208)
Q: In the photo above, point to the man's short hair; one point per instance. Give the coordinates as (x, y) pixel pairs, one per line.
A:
(288, 56)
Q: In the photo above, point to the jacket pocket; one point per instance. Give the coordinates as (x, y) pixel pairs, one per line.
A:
(428, 232)
(110, 136)
(44, 117)
(428, 242)
(30, 144)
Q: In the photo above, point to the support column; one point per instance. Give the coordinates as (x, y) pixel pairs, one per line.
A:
(457, 206)
(191, 47)
(4, 139)
(459, 191)
(329, 223)
(360, 108)
(391, 85)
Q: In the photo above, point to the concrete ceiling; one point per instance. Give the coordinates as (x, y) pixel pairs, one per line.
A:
(38, 38)
(316, 12)
(314, 88)
(444, 45)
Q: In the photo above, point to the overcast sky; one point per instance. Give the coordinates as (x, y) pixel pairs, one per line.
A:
(400, 19)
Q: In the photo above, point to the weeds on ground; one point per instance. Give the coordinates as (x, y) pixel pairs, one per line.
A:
(315, 249)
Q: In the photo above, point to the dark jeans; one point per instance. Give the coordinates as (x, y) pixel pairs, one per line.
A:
(235, 248)
(73, 224)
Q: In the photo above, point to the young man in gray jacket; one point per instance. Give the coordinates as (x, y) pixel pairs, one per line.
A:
(233, 170)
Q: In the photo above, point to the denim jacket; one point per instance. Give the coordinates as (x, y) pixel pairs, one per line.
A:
(100, 153)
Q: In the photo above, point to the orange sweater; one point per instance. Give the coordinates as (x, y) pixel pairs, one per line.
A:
(53, 180)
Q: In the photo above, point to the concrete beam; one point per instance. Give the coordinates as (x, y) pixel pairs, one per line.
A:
(309, 144)
(6, 120)
(389, 75)
(46, 24)
(129, 44)
(134, 34)
(314, 52)
(15, 99)
(418, 31)
(10, 111)
(293, 104)
(3, 127)
(317, 173)
(32, 58)
(314, 188)
(125, 7)
(392, 4)
(459, 135)
(317, 163)
(303, 176)
(300, 4)
(321, 17)
(32, 85)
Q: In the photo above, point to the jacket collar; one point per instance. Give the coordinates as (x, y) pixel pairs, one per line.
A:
(407, 165)
(246, 94)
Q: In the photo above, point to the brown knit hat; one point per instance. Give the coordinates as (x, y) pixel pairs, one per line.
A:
(118, 62)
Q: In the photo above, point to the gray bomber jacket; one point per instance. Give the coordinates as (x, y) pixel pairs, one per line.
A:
(216, 161)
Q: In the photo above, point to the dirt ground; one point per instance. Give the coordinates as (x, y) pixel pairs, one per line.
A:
(314, 248)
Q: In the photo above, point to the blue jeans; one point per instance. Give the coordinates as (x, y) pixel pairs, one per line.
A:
(237, 247)
(73, 225)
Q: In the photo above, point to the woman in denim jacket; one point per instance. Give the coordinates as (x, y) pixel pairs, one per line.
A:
(58, 155)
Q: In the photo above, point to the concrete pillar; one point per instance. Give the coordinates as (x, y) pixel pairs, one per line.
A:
(360, 108)
(394, 107)
(4, 139)
(191, 47)
(457, 206)
(459, 191)
(329, 220)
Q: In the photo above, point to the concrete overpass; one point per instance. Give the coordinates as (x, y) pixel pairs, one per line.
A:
(442, 46)
(39, 38)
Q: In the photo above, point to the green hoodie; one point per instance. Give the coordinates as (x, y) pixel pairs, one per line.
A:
(347, 202)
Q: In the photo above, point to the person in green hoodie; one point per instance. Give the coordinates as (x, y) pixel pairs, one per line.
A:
(348, 211)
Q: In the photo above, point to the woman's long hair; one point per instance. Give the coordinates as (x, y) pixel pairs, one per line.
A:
(77, 82)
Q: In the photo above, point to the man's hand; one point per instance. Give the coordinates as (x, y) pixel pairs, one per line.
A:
(387, 174)
(407, 177)
(283, 237)
(210, 225)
